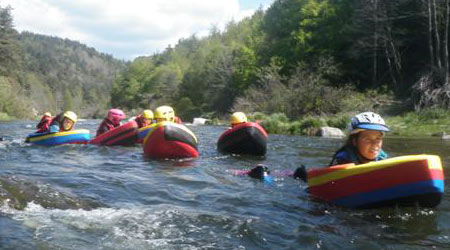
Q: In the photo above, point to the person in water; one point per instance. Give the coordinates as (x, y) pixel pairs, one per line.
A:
(363, 145)
(365, 140)
(161, 114)
(63, 122)
(173, 117)
(145, 119)
(166, 113)
(237, 118)
(115, 116)
(44, 123)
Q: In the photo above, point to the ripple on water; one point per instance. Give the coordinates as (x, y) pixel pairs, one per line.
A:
(160, 227)
(197, 204)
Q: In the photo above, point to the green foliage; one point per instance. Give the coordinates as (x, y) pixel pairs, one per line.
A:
(295, 128)
(67, 100)
(433, 114)
(186, 109)
(339, 121)
(210, 72)
(301, 58)
(279, 117)
(5, 117)
(298, 58)
(311, 122)
(60, 74)
(426, 122)
(278, 123)
(8, 43)
(12, 102)
(41, 73)
(275, 126)
(306, 91)
(256, 116)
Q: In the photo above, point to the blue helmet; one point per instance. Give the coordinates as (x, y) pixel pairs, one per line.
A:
(367, 121)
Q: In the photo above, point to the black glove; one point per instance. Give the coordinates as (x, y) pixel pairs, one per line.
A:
(300, 173)
(259, 172)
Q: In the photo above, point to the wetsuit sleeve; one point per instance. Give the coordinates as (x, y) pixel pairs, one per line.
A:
(55, 124)
(39, 125)
(340, 158)
(101, 130)
(344, 155)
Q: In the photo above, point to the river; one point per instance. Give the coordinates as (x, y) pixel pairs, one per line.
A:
(93, 197)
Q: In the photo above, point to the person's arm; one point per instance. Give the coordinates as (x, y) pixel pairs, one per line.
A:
(54, 124)
(54, 128)
(340, 157)
(102, 128)
(44, 127)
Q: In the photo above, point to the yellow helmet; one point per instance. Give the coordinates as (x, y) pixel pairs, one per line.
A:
(70, 115)
(238, 117)
(148, 114)
(163, 112)
(47, 114)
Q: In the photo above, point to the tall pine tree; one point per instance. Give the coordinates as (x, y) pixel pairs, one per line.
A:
(8, 42)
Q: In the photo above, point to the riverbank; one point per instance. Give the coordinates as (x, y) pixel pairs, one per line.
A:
(425, 123)
(5, 117)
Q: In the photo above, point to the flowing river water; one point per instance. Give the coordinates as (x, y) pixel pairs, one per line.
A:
(93, 197)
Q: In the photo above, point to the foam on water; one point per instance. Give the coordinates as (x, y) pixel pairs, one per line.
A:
(162, 226)
(138, 203)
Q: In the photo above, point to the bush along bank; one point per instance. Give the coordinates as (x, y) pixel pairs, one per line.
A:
(430, 122)
(278, 123)
(5, 117)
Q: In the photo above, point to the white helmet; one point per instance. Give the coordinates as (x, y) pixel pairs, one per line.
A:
(367, 121)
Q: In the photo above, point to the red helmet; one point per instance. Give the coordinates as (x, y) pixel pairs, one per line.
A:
(116, 116)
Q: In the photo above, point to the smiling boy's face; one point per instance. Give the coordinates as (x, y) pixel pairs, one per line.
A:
(67, 124)
(369, 143)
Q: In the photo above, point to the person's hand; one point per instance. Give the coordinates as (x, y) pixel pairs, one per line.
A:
(300, 173)
(259, 172)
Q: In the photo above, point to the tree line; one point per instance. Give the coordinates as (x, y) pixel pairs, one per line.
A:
(298, 57)
(41, 73)
(302, 57)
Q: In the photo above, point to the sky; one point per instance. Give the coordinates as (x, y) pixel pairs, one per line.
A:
(127, 29)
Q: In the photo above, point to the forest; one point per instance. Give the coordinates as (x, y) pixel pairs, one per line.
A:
(296, 58)
(303, 57)
(41, 73)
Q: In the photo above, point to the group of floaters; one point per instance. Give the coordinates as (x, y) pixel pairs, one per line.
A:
(162, 133)
(360, 175)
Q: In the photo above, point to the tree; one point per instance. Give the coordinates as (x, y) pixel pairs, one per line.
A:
(447, 17)
(67, 100)
(8, 42)
(432, 89)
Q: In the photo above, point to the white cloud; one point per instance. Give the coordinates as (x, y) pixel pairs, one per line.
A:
(125, 29)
